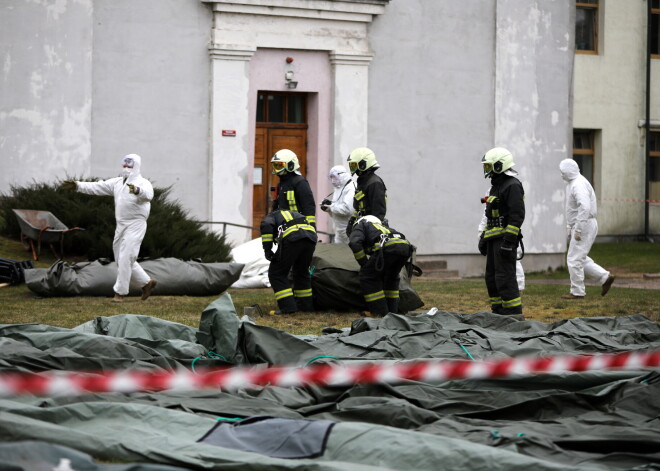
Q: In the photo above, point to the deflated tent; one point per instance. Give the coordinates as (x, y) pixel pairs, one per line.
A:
(336, 285)
(175, 278)
(335, 281)
(585, 421)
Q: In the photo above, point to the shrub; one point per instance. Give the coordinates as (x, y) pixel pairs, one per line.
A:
(170, 232)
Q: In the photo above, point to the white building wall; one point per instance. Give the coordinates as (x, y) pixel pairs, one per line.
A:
(84, 83)
(45, 90)
(450, 80)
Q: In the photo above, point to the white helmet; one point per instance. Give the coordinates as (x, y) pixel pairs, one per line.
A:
(496, 161)
(361, 159)
(283, 161)
(371, 218)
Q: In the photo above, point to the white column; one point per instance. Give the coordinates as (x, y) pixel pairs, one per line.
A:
(351, 103)
(229, 164)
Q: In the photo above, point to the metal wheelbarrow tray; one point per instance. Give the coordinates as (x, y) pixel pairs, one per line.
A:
(41, 226)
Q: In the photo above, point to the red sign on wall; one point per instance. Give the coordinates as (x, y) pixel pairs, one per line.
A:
(229, 133)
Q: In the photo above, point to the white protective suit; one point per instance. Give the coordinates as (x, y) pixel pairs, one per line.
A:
(341, 208)
(520, 272)
(581, 221)
(131, 213)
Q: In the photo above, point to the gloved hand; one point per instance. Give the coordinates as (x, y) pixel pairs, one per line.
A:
(349, 226)
(325, 204)
(508, 250)
(363, 261)
(68, 185)
(269, 255)
(133, 189)
(483, 245)
(577, 235)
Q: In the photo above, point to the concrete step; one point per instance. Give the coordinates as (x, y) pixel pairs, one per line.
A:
(436, 269)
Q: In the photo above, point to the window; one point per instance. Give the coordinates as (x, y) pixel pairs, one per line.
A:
(586, 26)
(654, 176)
(583, 153)
(655, 27)
(275, 107)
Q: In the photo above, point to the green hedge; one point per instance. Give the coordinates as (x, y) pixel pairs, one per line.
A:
(170, 232)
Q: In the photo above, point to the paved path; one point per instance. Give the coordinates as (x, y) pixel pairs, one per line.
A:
(619, 282)
(637, 281)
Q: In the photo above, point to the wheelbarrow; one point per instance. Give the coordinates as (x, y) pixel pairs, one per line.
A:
(42, 227)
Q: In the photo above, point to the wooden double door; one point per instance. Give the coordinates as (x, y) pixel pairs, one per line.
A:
(269, 138)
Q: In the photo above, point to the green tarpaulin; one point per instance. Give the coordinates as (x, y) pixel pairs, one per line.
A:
(576, 421)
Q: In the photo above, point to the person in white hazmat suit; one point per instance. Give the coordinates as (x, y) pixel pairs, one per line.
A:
(133, 194)
(340, 208)
(581, 228)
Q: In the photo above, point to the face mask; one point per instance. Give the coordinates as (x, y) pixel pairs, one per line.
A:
(126, 172)
(335, 180)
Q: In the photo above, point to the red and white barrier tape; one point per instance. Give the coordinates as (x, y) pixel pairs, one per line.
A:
(327, 374)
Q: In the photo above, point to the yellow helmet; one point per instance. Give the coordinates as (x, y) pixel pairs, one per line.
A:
(361, 159)
(497, 160)
(284, 160)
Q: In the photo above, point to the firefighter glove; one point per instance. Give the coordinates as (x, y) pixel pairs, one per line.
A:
(325, 204)
(483, 245)
(577, 235)
(133, 189)
(362, 261)
(349, 226)
(269, 254)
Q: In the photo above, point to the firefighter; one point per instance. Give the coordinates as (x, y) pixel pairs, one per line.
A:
(296, 240)
(293, 191)
(505, 213)
(381, 252)
(371, 194)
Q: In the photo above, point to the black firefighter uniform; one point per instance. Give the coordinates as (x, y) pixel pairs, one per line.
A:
(505, 211)
(370, 198)
(294, 193)
(381, 252)
(296, 240)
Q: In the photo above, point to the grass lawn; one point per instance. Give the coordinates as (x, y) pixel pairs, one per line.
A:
(541, 302)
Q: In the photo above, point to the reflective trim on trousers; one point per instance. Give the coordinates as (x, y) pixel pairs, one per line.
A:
(374, 296)
(302, 293)
(496, 301)
(512, 302)
(283, 294)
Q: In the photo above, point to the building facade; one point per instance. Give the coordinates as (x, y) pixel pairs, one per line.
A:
(611, 102)
(207, 90)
